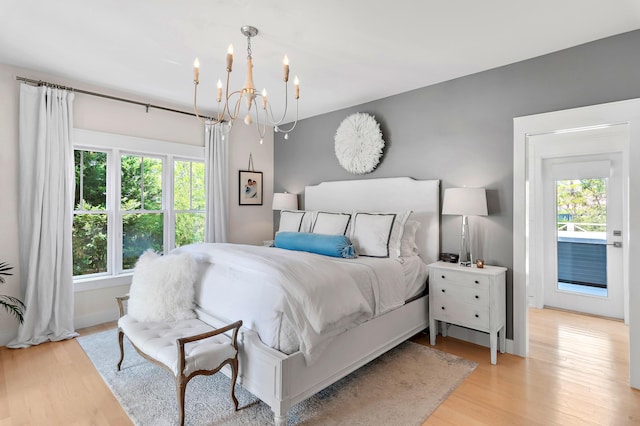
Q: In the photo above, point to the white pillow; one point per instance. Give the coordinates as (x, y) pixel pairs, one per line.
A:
(408, 246)
(397, 232)
(291, 221)
(331, 223)
(162, 287)
(378, 234)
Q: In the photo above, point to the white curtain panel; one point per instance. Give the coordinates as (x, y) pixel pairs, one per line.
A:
(216, 182)
(46, 215)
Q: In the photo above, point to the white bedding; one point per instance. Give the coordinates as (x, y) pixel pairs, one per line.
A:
(296, 300)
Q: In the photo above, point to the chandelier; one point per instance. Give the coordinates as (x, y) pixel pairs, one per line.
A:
(229, 106)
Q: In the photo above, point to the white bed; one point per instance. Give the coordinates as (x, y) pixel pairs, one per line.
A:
(297, 300)
(282, 380)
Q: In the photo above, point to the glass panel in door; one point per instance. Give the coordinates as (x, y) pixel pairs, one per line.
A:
(582, 236)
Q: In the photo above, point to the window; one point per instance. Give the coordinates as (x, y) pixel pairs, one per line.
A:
(188, 202)
(141, 207)
(90, 213)
(130, 198)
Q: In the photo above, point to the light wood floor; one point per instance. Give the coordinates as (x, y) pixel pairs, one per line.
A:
(576, 374)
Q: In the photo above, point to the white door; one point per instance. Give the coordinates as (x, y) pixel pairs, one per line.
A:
(583, 205)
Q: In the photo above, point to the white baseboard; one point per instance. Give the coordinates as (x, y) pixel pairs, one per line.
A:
(476, 337)
(96, 318)
(468, 335)
(510, 349)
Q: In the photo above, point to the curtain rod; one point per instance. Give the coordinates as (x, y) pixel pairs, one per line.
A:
(102, 95)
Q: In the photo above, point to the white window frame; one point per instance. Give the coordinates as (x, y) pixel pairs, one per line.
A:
(115, 146)
(108, 210)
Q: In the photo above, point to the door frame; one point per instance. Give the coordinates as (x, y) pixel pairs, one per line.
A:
(622, 112)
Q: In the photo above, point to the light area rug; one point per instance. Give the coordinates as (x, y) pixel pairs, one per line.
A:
(402, 387)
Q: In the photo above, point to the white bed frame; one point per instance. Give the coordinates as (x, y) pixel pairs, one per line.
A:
(281, 380)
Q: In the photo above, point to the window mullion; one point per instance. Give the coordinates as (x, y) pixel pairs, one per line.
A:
(190, 185)
(116, 205)
(142, 182)
(168, 202)
(81, 179)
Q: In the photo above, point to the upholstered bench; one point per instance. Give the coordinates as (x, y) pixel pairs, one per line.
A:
(186, 348)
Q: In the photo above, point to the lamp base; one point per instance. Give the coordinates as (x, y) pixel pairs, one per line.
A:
(465, 257)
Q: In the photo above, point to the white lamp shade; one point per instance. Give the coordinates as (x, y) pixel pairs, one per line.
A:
(465, 201)
(285, 201)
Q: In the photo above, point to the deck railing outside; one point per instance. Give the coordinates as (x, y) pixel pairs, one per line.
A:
(582, 227)
(582, 256)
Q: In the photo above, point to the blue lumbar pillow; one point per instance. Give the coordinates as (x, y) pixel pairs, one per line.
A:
(327, 245)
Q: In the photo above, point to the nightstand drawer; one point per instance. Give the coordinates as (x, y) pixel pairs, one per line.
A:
(465, 279)
(474, 296)
(466, 315)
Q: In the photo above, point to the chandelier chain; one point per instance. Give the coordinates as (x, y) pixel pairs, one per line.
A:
(249, 47)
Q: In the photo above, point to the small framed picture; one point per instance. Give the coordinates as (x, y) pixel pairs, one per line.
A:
(250, 188)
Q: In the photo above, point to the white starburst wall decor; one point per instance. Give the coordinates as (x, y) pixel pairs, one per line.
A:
(359, 143)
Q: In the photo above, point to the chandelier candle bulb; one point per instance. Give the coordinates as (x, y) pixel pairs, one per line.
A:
(296, 82)
(285, 61)
(219, 97)
(196, 71)
(229, 58)
(264, 98)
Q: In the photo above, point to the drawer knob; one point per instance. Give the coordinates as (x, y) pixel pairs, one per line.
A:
(477, 316)
(443, 277)
(476, 281)
(443, 308)
(443, 290)
(477, 297)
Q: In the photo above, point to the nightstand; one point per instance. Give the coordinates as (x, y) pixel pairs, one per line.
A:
(469, 297)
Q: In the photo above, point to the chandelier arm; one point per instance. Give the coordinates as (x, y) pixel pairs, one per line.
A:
(236, 109)
(286, 106)
(220, 115)
(227, 98)
(238, 103)
(195, 103)
(262, 132)
(281, 130)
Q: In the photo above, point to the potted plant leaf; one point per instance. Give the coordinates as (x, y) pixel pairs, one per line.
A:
(13, 305)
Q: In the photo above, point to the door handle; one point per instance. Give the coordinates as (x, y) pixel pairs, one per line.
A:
(616, 244)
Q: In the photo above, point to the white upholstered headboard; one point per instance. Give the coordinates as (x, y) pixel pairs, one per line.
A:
(385, 195)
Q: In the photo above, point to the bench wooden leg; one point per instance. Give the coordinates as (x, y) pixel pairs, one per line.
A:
(234, 376)
(120, 342)
(181, 387)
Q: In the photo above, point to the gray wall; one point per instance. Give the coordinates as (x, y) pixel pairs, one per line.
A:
(461, 132)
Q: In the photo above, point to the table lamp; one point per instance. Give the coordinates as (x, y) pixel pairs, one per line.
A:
(284, 201)
(465, 202)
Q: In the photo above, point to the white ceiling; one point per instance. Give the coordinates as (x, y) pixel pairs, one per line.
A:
(345, 52)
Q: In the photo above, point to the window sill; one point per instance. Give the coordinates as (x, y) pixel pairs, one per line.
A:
(95, 283)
